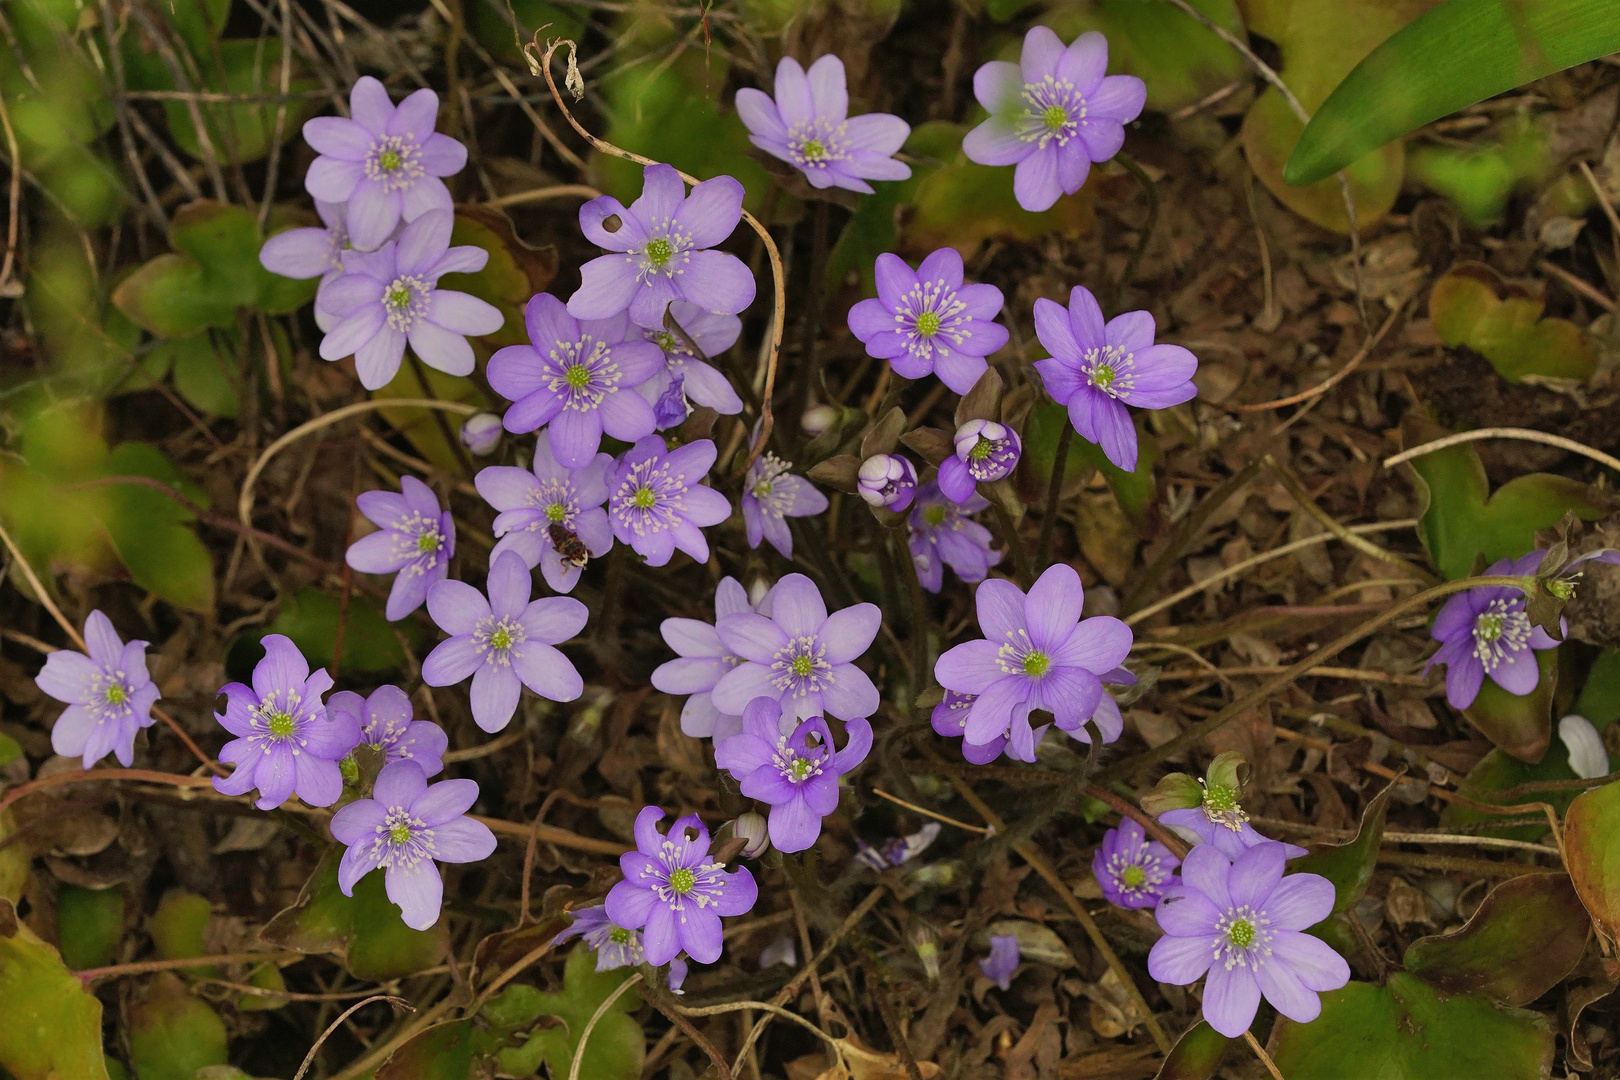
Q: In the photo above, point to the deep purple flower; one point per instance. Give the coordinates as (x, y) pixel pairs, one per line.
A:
(897, 850)
(1097, 369)
(809, 127)
(108, 693)
(385, 163)
(800, 655)
(950, 718)
(391, 296)
(1052, 114)
(1241, 921)
(285, 741)
(505, 643)
(887, 480)
(940, 534)
(657, 502)
(576, 377)
(702, 660)
(674, 893)
(615, 946)
(671, 408)
(797, 777)
(660, 251)
(551, 515)
(481, 434)
(698, 380)
(1487, 631)
(928, 321)
(386, 723)
(311, 253)
(1002, 962)
(1220, 821)
(1134, 872)
(985, 452)
(414, 540)
(403, 828)
(770, 496)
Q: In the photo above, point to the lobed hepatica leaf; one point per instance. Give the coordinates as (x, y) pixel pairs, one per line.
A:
(1497, 772)
(1592, 849)
(173, 1034)
(1467, 309)
(89, 925)
(52, 1025)
(243, 133)
(616, 1046)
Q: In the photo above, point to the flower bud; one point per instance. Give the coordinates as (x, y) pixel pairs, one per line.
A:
(887, 480)
(1174, 791)
(818, 418)
(988, 449)
(672, 408)
(926, 942)
(481, 433)
(751, 827)
(1587, 754)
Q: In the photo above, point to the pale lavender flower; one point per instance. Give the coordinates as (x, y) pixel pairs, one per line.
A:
(658, 503)
(386, 163)
(702, 659)
(386, 723)
(887, 480)
(1220, 821)
(1052, 114)
(403, 828)
(615, 946)
(985, 452)
(799, 655)
(770, 496)
(414, 540)
(1000, 966)
(577, 377)
(481, 434)
(796, 776)
(285, 743)
(808, 126)
(391, 296)
(550, 515)
(660, 251)
(311, 253)
(1487, 632)
(1097, 369)
(1241, 922)
(897, 850)
(1134, 872)
(940, 534)
(108, 693)
(674, 893)
(505, 643)
(700, 381)
(926, 320)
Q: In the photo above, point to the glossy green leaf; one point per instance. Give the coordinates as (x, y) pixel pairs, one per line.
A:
(1349, 866)
(1600, 694)
(1196, 1055)
(265, 977)
(1462, 52)
(1042, 430)
(178, 925)
(203, 371)
(52, 1024)
(444, 1052)
(310, 618)
(173, 1034)
(89, 925)
(1592, 850)
(1180, 59)
(616, 1046)
(1510, 333)
(1518, 725)
(514, 273)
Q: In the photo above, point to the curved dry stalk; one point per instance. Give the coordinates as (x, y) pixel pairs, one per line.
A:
(590, 1025)
(1307, 503)
(1260, 1052)
(1332, 380)
(1522, 434)
(545, 194)
(333, 1026)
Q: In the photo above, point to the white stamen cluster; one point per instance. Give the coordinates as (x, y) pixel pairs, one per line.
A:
(929, 315)
(1018, 656)
(1054, 112)
(772, 499)
(666, 252)
(801, 666)
(395, 161)
(406, 300)
(815, 144)
(1242, 938)
(495, 639)
(402, 840)
(1503, 627)
(1110, 369)
(796, 769)
(651, 497)
(582, 372)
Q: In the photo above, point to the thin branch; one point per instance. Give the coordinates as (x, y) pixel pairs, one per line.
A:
(1522, 434)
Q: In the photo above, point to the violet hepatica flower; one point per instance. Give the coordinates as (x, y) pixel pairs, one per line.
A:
(1002, 962)
(796, 776)
(286, 742)
(926, 320)
(940, 534)
(698, 379)
(403, 828)
(674, 893)
(808, 126)
(897, 850)
(800, 656)
(985, 452)
(770, 496)
(887, 480)
(576, 377)
(108, 693)
(702, 659)
(1098, 368)
(414, 541)
(386, 163)
(1220, 821)
(1487, 632)
(387, 724)
(657, 503)
(1134, 872)
(311, 253)
(550, 515)
(505, 643)
(1241, 921)
(391, 296)
(615, 946)
(1052, 114)
(950, 718)
(660, 251)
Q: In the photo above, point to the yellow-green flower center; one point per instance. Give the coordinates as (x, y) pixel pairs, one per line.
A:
(619, 935)
(1220, 798)
(399, 296)
(645, 498)
(556, 512)
(578, 376)
(1036, 663)
(803, 666)
(399, 832)
(1133, 877)
(1103, 377)
(115, 695)
(1055, 116)
(763, 489)
(799, 769)
(665, 340)
(928, 324)
(389, 160)
(682, 880)
(1488, 628)
(659, 251)
(981, 449)
(428, 541)
(350, 769)
(501, 638)
(1241, 933)
(934, 515)
(281, 724)
(813, 150)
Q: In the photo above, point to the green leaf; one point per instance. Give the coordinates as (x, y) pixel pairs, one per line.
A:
(149, 530)
(13, 860)
(265, 977)
(616, 1045)
(1196, 1055)
(514, 273)
(172, 1034)
(1404, 1031)
(1481, 179)
(444, 1052)
(1510, 332)
(89, 925)
(10, 750)
(200, 23)
(1592, 851)
(178, 925)
(1180, 59)
(1498, 771)
(52, 1027)
(962, 203)
(1520, 726)
(310, 618)
(243, 133)
(1350, 866)
(1600, 696)
(493, 29)
(172, 296)
(1462, 52)
(1134, 490)
(202, 372)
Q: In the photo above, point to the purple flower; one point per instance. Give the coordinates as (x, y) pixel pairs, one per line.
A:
(1220, 821)
(897, 850)
(390, 296)
(675, 976)
(770, 496)
(385, 163)
(481, 434)
(108, 693)
(310, 252)
(615, 947)
(702, 660)
(1052, 114)
(1241, 921)
(661, 252)
(551, 516)
(1134, 872)
(1002, 962)
(657, 503)
(985, 452)
(414, 539)
(950, 718)
(797, 777)
(1037, 653)
(809, 127)
(671, 407)
(674, 893)
(505, 643)
(403, 828)
(928, 321)
(574, 376)
(940, 534)
(385, 721)
(1487, 631)
(285, 741)
(799, 655)
(887, 480)
(699, 380)
(1097, 369)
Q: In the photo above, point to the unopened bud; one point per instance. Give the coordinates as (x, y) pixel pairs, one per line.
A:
(751, 827)
(481, 434)
(818, 418)
(926, 942)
